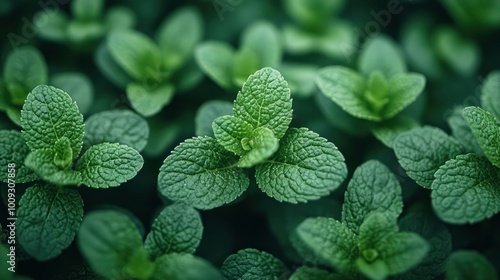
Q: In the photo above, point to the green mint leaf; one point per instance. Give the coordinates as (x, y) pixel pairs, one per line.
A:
(389, 130)
(253, 264)
(207, 113)
(215, 59)
(381, 54)
(461, 130)
(136, 54)
(116, 126)
(313, 14)
(120, 17)
(48, 219)
(177, 229)
(331, 241)
(264, 40)
(375, 227)
(486, 129)
(202, 174)
(466, 264)
(48, 115)
(421, 151)
(149, 99)
(458, 51)
(78, 86)
(403, 90)
(25, 68)
(313, 273)
(305, 167)
(490, 94)
(108, 240)
(230, 131)
(345, 87)
(178, 35)
(55, 28)
(262, 145)
(300, 78)
(372, 188)
(87, 10)
(439, 238)
(245, 63)
(108, 165)
(184, 267)
(265, 101)
(43, 162)
(63, 155)
(110, 68)
(465, 190)
(13, 149)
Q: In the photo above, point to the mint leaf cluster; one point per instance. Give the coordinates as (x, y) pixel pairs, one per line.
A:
(367, 241)
(114, 247)
(461, 170)
(292, 165)
(152, 71)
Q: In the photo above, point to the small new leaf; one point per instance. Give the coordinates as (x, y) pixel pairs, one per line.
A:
(48, 219)
(466, 190)
(421, 151)
(13, 149)
(202, 174)
(109, 165)
(63, 155)
(253, 264)
(116, 126)
(230, 131)
(177, 229)
(48, 115)
(262, 144)
(42, 161)
(265, 101)
(305, 167)
(486, 129)
(372, 188)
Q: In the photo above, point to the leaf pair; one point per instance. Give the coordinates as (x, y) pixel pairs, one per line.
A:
(206, 172)
(368, 240)
(144, 67)
(112, 244)
(53, 129)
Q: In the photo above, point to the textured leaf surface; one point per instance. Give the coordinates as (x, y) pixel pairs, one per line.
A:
(177, 36)
(202, 174)
(42, 162)
(381, 54)
(265, 101)
(439, 239)
(465, 264)
(135, 53)
(372, 188)
(263, 144)
(253, 264)
(148, 99)
(264, 40)
(49, 114)
(421, 151)
(207, 113)
(108, 239)
(305, 167)
(490, 94)
(184, 267)
(177, 229)
(466, 190)
(216, 61)
(403, 251)
(13, 149)
(26, 68)
(116, 126)
(331, 241)
(229, 132)
(109, 165)
(461, 130)
(48, 219)
(487, 131)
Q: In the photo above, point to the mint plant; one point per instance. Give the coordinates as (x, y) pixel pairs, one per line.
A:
(112, 244)
(87, 25)
(378, 92)
(153, 71)
(367, 241)
(463, 183)
(292, 165)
